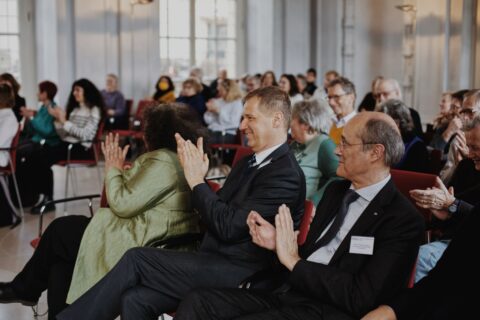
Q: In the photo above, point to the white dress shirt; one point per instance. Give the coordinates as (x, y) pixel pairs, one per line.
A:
(339, 123)
(8, 130)
(324, 254)
(262, 155)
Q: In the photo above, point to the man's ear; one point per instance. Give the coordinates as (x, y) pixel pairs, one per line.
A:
(277, 119)
(377, 152)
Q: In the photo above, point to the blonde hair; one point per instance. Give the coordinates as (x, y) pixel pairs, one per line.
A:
(233, 90)
(196, 85)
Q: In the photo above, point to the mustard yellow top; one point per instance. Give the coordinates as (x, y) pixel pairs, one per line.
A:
(151, 200)
(336, 133)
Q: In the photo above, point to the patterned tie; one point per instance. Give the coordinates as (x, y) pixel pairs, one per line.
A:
(350, 196)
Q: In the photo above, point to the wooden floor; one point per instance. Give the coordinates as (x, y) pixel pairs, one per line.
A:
(15, 249)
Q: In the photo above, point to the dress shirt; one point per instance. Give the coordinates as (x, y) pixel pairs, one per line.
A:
(262, 155)
(339, 123)
(355, 210)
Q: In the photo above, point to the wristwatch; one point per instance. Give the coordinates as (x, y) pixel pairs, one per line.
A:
(453, 208)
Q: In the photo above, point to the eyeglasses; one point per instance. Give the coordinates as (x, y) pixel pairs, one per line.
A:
(382, 94)
(467, 112)
(336, 97)
(344, 143)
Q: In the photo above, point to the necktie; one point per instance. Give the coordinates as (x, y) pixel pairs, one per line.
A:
(252, 162)
(350, 196)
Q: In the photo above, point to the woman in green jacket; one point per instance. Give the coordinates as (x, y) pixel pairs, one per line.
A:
(149, 201)
(312, 147)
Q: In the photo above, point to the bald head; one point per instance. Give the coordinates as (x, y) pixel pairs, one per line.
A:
(380, 128)
(387, 89)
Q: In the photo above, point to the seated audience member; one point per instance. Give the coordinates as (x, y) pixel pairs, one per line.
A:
(77, 126)
(148, 282)
(269, 79)
(288, 84)
(38, 131)
(346, 267)
(19, 101)
(206, 92)
(313, 148)
(115, 106)
(445, 125)
(8, 129)
(328, 77)
(387, 89)
(164, 90)
(341, 97)
(253, 83)
(369, 103)
(192, 96)
(224, 113)
(221, 76)
(448, 291)
(149, 201)
(301, 85)
(447, 206)
(415, 157)
(469, 108)
(311, 78)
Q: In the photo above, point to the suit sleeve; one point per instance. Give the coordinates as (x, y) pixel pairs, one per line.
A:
(269, 190)
(395, 249)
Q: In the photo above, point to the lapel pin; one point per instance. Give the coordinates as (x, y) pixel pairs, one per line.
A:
(375, 213)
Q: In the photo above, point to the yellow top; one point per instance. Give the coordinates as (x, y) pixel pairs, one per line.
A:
(336, 133)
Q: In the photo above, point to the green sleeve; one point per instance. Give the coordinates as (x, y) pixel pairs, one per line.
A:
(327, 164)
(43, 126)
(151, 181)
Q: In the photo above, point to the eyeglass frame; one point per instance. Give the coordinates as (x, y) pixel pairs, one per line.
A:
(344, 143)
(336, 97)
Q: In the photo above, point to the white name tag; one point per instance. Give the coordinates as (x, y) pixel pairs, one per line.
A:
(362, 245)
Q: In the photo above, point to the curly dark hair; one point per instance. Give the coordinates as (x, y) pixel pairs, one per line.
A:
(158, 93)
(93, 97)
(162, 121)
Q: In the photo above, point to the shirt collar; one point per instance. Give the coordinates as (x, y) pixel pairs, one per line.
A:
(341, 122)
(369, 192)
(262, 155)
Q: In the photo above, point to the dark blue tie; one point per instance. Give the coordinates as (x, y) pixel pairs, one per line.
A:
(350, 196)
(252, 162)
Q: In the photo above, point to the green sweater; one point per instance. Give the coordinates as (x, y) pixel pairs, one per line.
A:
(319, 164)
(152, 200)
(42, 127)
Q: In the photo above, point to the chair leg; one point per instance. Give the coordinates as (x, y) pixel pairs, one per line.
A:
(74, 182)
(15, 184)
(66, 188)
(4, 185)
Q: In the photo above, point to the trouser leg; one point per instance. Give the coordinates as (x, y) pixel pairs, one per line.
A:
(166, 273)
(141, 303)
(58, 286)
(59, 244)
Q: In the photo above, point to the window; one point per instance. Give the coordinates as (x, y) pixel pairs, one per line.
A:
(9, 38)
(199, 33)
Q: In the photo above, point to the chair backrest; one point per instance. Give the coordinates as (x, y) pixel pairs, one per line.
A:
(13, 151)
(240, 153)
(129, 105)
(214, 186)
(142, 105)
(408, 180)
(307, 218)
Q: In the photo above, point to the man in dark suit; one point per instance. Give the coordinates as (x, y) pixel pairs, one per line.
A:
(360, 249)
(148, 282)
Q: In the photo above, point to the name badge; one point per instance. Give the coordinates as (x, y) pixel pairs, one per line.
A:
(362, 245)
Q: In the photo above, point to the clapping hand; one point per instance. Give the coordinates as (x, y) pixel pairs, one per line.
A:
(193, 160)
(436, 199)
(114, 155)
(262, 232)
(286, 239)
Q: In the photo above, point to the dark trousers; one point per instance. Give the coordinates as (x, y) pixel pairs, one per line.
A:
(51, 266)
(35, 164)
(147, 282)
(247, 304)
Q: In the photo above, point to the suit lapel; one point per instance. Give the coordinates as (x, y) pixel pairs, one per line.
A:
(364, 223)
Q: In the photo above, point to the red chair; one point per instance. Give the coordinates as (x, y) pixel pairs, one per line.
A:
(240, 153)
(9, 170)
(73, 163)
(214, 186)
(408, 180)
(308, 214)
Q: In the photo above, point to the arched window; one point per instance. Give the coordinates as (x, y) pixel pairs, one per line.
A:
(9, 38)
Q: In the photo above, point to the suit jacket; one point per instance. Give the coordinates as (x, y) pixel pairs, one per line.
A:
(355, 283)
(263, 189)
(446, 292)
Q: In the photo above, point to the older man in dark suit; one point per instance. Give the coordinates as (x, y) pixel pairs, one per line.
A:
(360, 249)
(148, 282)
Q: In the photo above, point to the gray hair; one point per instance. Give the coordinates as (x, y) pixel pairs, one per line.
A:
(314, 113)
(197, 72)
(400, 113)
(394, 83)
(472, 124)
(378, 131)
